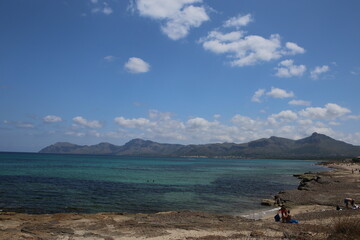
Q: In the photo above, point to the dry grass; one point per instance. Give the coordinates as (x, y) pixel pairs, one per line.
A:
(345, 228)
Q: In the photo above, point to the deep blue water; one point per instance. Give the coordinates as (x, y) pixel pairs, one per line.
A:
(50, 183)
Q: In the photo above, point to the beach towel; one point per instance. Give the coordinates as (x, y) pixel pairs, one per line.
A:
(293, 221)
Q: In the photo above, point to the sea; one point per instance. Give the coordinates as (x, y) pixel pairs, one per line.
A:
(55, 183)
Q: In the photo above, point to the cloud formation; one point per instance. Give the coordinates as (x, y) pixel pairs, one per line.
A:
(103, 8)
(82, 122)
(330, 111)
(177, 16)
(286, 123)
(52, 119)
(293, 48)
(19, 124)
(299, 102)
(286, 69)
(245, 50)
(286, 115)
(314, 74)
(274, 93)
(133, 123)
(164, 127)
(257, 95)
(109, 58)
(279, 93)
(239, 21)
(137, 65)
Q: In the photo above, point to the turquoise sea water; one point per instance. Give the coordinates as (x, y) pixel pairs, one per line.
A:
(49, 183)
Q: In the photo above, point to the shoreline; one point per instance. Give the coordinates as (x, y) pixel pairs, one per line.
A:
(313, 205)
(257, 214)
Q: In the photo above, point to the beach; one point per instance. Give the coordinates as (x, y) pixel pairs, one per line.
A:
(313, 204)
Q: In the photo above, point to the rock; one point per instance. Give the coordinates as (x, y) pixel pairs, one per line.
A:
(256, 234)
(307, 177)
(267, 202)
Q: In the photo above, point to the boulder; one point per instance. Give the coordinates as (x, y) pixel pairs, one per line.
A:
(267, 202)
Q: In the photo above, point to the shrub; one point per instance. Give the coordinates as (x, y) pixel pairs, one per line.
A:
(346, 228)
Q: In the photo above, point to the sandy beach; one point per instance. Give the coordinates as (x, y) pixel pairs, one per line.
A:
(313, 204)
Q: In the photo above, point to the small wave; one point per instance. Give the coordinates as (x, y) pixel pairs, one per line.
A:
(258, 215)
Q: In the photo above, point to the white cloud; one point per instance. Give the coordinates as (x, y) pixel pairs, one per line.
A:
(286, 69)
(275, 93)
(333, 123)
(355, 71)
(19, 124)
(353, 117)
(200, 123)
(133, 123)
(257, 95)
(109, 58)
(245, 122)
(161, 9)
(279, 93)
(178, 16)
(329, 112)
(137, 65)
(52, 119)
(180, 25)
(107, 10)
(159, 126)
(314, 74)
(82, 122)
(163, 127)
(300, 103)
(245, 50)
(228, 37)
(239, 21)
(305, 122)
(293, 48)
(75, 134)
(286, 115)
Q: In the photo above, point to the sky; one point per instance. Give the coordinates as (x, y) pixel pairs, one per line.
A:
(177, 71)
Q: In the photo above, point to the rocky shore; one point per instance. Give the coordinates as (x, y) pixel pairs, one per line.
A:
(313, 204)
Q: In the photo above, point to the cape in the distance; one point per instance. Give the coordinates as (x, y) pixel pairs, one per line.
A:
(316, 146)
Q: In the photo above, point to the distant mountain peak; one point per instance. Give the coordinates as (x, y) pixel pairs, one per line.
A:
(64, 144)
(105, 144)
(317, 137)
(138, 141)
(315, 134)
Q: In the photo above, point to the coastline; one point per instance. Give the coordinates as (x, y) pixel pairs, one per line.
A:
(313, 204)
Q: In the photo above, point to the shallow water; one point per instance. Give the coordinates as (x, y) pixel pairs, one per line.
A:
(49, 183)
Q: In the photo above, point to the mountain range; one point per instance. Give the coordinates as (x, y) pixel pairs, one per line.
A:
(316, 146)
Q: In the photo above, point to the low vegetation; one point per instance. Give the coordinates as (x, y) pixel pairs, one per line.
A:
(345, 228)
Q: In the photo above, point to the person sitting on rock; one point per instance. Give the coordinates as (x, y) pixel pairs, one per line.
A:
(289, 218)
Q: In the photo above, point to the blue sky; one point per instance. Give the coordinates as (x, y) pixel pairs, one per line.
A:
(177, 71)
